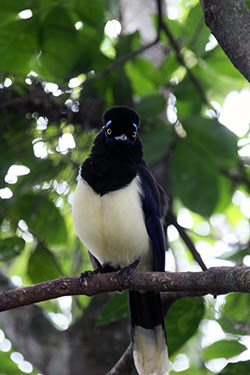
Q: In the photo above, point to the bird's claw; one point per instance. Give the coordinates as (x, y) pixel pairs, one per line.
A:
(84, 275)
(125, 272)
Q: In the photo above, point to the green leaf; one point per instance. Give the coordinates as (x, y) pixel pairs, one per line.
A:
(223, 349)
(213, 138)
(43, 218)
(222, 65)
(150, 106)
(18, 44)
(144, 78)
(194, 178)
(184, 91)
(182, 321)
(58, 46)
(225, 194)
(237, 307)
(127, 43)
(9, 10)
(42, 265)
(8, 367)
(91, 12)
(240, 368)
(115, 309)
(10, 248)
(197, 32)
(156, 142)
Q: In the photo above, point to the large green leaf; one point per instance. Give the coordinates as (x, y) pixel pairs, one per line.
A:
(127, 43)
(223, 349)
(58, 46)
(213, 138)
(182, 321)
(237, 307)
(115, 309)
(150, 106)
(144, 78)
(194, 178)
(43, 218)
(18, 45)
(10, 247)
(42, 265)
(10, 9)
(91, 12)
(240, 368)
(184, 91)
(197, 33)
(156, 142)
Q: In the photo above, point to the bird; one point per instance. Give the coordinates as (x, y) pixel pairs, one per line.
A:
(118, 213)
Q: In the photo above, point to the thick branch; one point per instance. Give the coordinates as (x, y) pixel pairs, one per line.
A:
(216, 280)
(229, 21)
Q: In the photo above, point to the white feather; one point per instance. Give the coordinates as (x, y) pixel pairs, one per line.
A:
(150, 351)
(112, 226)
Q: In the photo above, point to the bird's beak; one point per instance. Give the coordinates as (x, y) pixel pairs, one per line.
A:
(121, 137)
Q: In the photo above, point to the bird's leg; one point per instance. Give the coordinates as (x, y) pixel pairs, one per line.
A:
(101, 269)
(125, 272)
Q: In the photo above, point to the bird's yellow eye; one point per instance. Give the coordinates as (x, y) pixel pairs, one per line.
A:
(109, 131)
(134, 134)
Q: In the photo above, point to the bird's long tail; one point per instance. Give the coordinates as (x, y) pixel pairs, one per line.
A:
(148, 333)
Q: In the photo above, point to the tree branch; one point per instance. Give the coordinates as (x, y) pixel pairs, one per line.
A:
(180, 57)
(123, 59)
(229, 21)
(125, 365)
(189, 243)
(216, 280)
(120, 61)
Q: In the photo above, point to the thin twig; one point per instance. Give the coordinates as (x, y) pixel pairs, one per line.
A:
(189, 243)
(120, 61)
(125, 365)
(180, 57)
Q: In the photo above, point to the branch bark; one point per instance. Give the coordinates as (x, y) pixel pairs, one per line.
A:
(216, 280)
(229, 21)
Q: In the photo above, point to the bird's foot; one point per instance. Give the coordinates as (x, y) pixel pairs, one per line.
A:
(125, 272)
(101, 269)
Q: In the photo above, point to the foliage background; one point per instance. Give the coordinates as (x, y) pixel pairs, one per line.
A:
(61, 67)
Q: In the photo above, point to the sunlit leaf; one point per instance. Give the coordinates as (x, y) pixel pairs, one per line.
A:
(19, 37)
(213, 138)
(57, 30)
(42, 265)
(91, 12)
(42, 217)
(223, 349)
(182, 321)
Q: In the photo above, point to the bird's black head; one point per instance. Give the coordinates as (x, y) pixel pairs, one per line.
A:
(121, 123)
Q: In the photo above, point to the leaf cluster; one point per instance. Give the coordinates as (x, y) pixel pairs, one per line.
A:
(50, 132)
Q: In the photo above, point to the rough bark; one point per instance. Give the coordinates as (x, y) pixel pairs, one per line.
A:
(216, 280)
(229, 22)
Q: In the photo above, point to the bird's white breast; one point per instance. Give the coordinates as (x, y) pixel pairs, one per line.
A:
(112, 226)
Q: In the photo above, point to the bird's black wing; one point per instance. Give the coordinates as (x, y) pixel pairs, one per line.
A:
(154, 204)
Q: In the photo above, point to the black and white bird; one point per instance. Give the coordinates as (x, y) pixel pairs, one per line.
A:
(118, 211)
